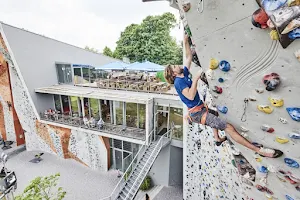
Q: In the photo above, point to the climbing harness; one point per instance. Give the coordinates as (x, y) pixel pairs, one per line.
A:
(200, 4)
(197, 109)
(244, 116)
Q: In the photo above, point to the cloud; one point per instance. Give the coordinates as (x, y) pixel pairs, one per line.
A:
(92, 22)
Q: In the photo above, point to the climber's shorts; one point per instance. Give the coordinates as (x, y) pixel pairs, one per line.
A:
(211, 120)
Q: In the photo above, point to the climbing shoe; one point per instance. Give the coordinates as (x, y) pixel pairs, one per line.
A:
(223, 140)
(281, 140)
(271, 153)
(265, 109)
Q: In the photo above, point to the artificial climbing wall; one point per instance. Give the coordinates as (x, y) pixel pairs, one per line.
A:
(223, 31)
(88, 149)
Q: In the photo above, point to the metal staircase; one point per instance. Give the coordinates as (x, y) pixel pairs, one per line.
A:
(133, 177)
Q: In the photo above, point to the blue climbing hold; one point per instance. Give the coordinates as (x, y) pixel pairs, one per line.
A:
(263, 169)
(294, 113)
(294, 135)
(221, 80)
(271, 5)
(222, 109)
(291, 163)
(224, 66)
(288, 197)
(294, 34)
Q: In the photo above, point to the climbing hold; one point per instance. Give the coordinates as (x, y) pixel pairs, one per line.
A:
(281, 140)
(277, 102)
(264, 189)
(293, 2)
(294, 113)
(271, 5)
(224, 66)
(234, 150)
(265, 108)
(257, 144)
(263, 169)
(213, 64)
(221, 80)
(291, 163)
(186, 7)
(267, 128)
(288, 197)
(297, 54)
(260, 19)
(274, 35)
(258, 159)
(259, 90)
(294, 135)
(288, 178)
(218, 90)
(294, 34)
(252, 99)
(298, 188)
(222, 109)
(272, 169)
(244, 129)
(270, 24)
(271, 81)
(295, 23)
(283, 120)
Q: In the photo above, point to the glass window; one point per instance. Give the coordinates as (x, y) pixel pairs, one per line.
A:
(65, 105)
(162, 120)
(57, 103)
(105, 109)
(74, 106)
(64, 74)
(77, 75)
(93, 74)
(94, 108)
(176, 118)
(142, 116)
(131, 115)
(86, 107)
(86, 74)
(119, 112)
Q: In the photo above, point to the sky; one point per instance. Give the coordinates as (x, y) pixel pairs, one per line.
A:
(93, 23)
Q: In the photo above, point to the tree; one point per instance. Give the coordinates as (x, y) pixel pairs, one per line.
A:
(150, 40)
(42, 188)
(91, 49)
(107, 51)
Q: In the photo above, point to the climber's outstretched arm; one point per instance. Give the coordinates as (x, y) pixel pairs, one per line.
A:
(188, 52)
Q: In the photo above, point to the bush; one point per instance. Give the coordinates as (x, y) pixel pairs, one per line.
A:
(146, 185)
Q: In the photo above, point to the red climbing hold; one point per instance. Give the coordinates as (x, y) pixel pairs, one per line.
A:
(271, 81)
(218, 90)
(264, 189)
(260, 19)
(267, 128)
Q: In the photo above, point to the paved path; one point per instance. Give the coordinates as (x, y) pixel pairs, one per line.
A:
(80, 182)
(170, 193)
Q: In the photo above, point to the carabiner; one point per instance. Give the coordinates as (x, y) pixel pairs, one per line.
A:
(202, 6)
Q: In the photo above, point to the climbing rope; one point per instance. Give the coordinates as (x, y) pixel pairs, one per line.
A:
(200, 4)
(244, 116)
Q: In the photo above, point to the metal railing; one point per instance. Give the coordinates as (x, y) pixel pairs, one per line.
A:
(115, 193)
(105, 127)
(156, 150)
(150, 138)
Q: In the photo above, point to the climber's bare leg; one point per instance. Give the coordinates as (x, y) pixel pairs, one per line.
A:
(230, 130)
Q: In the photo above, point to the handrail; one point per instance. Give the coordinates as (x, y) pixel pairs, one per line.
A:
(149, 138)
(123, 177)
(158, 143)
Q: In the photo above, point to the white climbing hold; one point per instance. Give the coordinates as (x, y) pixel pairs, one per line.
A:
(210, 74)
(283, 120)
(244, 129)
(245, 135)
(297, 54)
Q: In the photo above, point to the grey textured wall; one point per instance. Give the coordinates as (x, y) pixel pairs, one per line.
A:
(36, 56)
(176, 166)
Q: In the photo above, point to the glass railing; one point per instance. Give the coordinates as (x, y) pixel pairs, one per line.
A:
(95, 125)
(128, 85)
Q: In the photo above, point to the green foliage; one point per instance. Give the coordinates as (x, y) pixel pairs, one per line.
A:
(42, 188)
(150, 40)
(91, 49)
(107, 51)
(146, 185)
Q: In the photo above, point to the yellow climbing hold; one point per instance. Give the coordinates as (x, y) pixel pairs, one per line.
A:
(274, 35)
(258, 159)
(281, 140)
(213, 64)
(265, 109)
(293, 2)
(277, 102)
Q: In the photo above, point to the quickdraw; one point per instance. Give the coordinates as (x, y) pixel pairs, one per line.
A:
(244, 116)
(200, 4)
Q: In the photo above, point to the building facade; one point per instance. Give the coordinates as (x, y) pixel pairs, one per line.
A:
(50, 100)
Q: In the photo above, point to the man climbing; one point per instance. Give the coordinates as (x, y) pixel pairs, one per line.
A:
(198, 111)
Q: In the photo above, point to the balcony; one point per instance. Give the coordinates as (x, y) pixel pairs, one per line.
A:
(95, 125)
